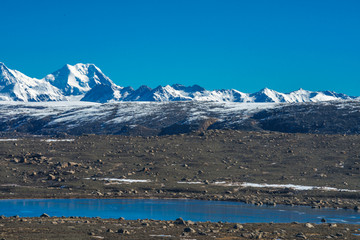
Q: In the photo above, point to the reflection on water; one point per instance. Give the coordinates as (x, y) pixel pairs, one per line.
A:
(194, 210)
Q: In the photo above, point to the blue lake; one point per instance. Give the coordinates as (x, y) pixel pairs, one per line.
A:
(194, 210)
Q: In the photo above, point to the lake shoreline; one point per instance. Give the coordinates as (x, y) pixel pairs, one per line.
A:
(311, 198)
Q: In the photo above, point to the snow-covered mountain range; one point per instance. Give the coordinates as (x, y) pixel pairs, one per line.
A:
(86, 82)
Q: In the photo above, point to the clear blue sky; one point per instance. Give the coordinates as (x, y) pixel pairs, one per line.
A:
(247, 45)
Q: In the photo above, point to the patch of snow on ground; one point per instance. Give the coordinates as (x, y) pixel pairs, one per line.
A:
(190, 182)
(247, 109)
(76, 116)
(120, 180)
(265, 185)
(10, 185)
(130, 111)
(8, 140)
(41, 109)
(161, 235)
(292, 186)
(58, 140)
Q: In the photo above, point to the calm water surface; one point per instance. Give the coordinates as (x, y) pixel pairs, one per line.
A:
(194, 210)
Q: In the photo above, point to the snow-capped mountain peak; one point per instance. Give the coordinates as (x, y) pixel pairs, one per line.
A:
(5, 75)
(268, 95)
(77, 79)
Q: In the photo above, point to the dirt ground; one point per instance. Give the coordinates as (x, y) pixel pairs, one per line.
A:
(218, 161)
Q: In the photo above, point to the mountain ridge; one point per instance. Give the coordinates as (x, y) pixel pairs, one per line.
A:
(168, 118)
(16, 86)
(86, 82)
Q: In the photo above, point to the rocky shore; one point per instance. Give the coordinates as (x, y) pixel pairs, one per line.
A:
(46, 227)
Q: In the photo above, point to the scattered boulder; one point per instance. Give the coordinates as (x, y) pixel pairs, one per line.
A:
(180, 221)
(189, 230)
(69, 172)
(71, 164)
(190, 222)
(44, 215)
(51, 177)
(123, 231)
(333, 225)
(202, 233)
(301, 235)
(238, 226)
(309, 225)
